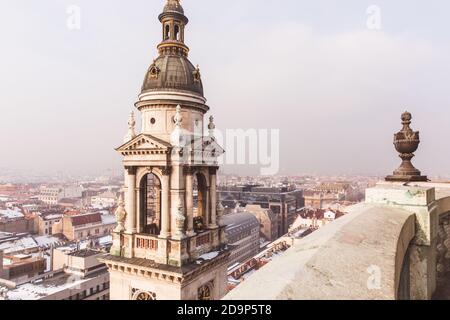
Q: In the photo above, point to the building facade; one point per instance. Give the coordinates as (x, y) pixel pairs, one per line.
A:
(168, 246)
(84, 226)
(267, 219)
(77, 275)
(284, 202)
(242, 232)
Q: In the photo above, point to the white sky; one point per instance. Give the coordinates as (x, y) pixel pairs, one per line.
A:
(312, 69)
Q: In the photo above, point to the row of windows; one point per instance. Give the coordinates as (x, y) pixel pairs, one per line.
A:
(94, 290)
(96, 232)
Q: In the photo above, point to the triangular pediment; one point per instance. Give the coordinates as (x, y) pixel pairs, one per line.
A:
(144, 142)
(207, 144)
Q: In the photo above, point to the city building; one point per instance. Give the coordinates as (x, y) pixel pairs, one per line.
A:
(242, 231)
(311, 218)
(267, 220)
(168, 246)
(282, 201)
(77, 275)
(21, 267)
(85, 226)
(106, 199)
(53, 195)
(13, 220)
(45, 223)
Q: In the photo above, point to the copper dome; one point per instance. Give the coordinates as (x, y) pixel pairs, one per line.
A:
(173, 73)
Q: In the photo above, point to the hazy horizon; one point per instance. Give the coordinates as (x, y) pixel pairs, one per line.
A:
(312, 69)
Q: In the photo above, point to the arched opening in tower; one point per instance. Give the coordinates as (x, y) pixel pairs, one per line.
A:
(150, 205)
(200, 198)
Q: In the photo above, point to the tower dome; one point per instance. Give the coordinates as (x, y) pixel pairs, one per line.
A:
(173, 6)
(172, 70)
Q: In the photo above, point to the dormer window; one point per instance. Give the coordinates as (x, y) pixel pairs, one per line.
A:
(197, 75)
(154, 71)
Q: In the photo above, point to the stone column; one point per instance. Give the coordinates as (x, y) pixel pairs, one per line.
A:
(131, 200)
(207, 213)
(165, 204)
(213, 196)
(190, 201)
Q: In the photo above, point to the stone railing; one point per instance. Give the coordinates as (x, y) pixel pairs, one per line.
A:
(443, 247)
(386, 248)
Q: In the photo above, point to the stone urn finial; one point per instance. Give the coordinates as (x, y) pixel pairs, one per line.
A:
(406, 142)
(121, 215)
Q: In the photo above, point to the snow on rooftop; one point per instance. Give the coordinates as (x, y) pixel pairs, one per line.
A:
(11, 213)
(46, 241)
(18, 245)
(108, 219)
(105, 240)
(53, 216)
(209, 256)
(30, 291)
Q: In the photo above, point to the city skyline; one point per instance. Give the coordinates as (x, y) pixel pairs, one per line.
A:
(67, 90)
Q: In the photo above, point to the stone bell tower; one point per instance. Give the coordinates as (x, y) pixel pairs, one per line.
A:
(168, 244)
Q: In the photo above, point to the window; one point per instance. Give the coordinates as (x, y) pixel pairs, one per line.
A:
(97, 231)
(167, 32)
(177, 32)
(204, 293)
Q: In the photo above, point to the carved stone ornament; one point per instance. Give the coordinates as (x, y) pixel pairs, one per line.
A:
(121, 216)
(406, 142)
(180, 219)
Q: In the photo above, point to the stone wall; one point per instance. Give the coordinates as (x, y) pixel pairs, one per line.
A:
(18, 226)
(443, 247)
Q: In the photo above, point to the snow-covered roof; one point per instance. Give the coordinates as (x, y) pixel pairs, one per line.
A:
(18, 245)
(36, 291)
(108, 219)
(105, 240)
(11, 213)
(47, 241)
(53, 216)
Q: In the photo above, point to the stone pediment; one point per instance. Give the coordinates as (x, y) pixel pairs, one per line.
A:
(207, 144)
(145, 142)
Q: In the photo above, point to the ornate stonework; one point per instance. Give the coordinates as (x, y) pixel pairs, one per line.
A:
(158, 242)
(406, 142)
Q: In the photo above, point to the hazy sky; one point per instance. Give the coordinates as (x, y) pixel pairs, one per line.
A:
(312, 69)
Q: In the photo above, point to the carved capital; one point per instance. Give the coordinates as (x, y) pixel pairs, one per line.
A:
(166, 171)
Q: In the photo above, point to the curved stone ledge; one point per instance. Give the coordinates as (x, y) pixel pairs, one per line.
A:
(359, 256)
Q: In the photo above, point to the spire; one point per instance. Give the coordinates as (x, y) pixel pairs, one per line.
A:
(131, 128)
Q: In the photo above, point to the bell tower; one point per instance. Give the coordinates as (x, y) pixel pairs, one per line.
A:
(168, 244)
